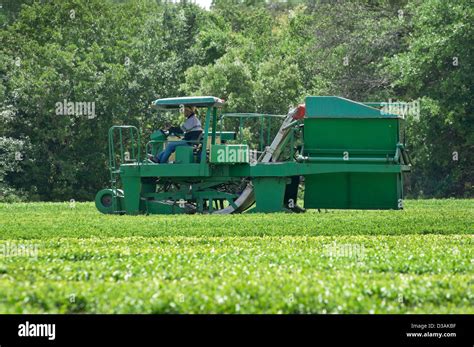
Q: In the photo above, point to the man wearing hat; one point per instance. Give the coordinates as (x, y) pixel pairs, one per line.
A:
(192, 131)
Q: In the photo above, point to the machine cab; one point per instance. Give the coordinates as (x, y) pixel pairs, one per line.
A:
(192, 152)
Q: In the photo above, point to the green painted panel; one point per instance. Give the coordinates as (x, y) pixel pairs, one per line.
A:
(347, 134)
(353, 191)
(184, 155)
(132, 190)
(337, 107)
(170, 170)
(163, 207)
(269, 193)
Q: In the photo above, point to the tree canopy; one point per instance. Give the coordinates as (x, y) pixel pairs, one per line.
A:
(260, 56)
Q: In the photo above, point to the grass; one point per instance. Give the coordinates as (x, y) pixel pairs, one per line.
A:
(55, 257)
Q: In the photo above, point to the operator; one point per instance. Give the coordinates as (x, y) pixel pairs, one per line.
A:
(192, 131)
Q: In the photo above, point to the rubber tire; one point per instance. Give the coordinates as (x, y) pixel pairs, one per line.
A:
(103, 200)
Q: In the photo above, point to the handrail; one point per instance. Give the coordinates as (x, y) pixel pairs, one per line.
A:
(114, 171)
(349, 160)
(387, 159)
(134, 144)
(250, 115)
(265, 125)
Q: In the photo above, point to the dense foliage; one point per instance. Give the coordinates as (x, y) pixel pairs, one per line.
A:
(62, 257)
(258, 56)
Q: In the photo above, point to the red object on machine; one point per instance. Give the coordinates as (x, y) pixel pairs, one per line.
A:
(299, 111)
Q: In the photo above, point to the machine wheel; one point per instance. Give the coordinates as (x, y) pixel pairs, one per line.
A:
(104, 200)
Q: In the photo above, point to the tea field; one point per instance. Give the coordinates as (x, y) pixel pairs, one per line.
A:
(68, 258)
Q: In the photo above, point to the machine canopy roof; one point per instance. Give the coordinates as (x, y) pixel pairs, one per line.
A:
(198, 101)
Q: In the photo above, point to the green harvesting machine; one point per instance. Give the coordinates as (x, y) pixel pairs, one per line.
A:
(331, 152)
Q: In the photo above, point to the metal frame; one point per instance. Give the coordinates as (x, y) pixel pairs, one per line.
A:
(198, 182)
